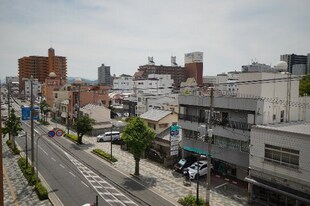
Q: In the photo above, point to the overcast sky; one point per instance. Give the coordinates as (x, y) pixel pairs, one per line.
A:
(123, 33)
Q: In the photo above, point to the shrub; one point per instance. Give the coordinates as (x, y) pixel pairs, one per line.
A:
(41, 191)
(104, 155)
(9, 143)
(14, 150)
(190, 200)
(71, 136)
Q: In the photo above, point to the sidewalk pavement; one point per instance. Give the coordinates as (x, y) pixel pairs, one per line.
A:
(16, 190)
(167, 182)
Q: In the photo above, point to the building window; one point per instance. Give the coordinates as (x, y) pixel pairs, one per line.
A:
(282, 155)
(282, 116)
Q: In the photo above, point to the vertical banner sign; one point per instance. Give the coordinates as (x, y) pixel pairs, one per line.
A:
(174, 139)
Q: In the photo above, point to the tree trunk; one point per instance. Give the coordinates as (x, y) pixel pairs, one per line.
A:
(80, 138)
(137, 161)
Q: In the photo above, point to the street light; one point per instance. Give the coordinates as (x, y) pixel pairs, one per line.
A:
(26, 147)
(37, 159)
(112, 126)
(78, 82)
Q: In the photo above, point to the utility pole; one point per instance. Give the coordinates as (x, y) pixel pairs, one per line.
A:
(31, 124)
(9, 104)
(68, 117)
(210, 134)
(1, 163)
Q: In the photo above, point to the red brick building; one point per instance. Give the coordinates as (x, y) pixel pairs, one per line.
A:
(40, 67)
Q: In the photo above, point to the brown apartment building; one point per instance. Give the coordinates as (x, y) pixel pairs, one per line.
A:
(40, 67)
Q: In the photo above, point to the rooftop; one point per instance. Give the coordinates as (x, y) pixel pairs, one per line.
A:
(292, 127)
(155, 114)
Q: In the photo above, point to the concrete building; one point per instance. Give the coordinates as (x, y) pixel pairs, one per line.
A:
(36, 88)
(194, 66)
(294, 59)
(189, 87)
(258, 103)
(39, 67)
(257, 67)
(279, 164)
(11, 79)
(157, 84)
(178, 73)
(104, 75)
(123, 83)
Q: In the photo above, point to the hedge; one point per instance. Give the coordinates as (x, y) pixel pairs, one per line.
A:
(71, 136)
(32, 180)
(41, 191)
(190, 200)
(105, 155)
(14, 150)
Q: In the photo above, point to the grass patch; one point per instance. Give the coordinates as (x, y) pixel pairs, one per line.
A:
(105, 155)
(190, 200)
(41, 191)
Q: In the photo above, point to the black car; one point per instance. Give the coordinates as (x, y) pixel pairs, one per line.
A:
(154, 155)
(184, 163)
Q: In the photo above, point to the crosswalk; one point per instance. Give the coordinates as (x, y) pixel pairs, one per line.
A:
(107, 191)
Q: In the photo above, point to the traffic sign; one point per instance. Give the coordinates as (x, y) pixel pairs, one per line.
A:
(51, 133)
(59, 133)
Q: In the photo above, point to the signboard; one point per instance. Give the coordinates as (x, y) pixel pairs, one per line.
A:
(59, 133)
(51, 133)
(26, 113)
(174, 139)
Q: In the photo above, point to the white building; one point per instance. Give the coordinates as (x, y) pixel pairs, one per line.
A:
(36, 88)
(123, 83)
(279, 164)
(280, 92)
(156, 84)
(193, 57)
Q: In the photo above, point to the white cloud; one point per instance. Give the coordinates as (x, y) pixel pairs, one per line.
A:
(123, 33)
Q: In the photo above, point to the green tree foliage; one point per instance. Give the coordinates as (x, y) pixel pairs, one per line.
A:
(44, 108)
(83, 125)
(138, 136)
(12, 125)
(304, 86)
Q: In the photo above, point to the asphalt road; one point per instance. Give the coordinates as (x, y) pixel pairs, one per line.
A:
(77, 176)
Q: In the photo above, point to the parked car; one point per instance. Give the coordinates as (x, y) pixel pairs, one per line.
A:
(184, 163)
(192, 170)
(115, 135)
(154, 155)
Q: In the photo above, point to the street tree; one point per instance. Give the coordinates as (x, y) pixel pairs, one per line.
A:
(44, 108)
(138, 135)
(12, 126)
(83, 125)
(304, 86)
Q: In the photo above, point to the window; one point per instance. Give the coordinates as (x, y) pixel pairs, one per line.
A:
(282, 155)
(282, 116)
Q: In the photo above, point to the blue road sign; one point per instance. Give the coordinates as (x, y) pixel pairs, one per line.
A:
(51, 133)
(26, 113)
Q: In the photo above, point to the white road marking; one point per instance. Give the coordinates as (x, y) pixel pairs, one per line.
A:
(84, 184)
(53, 159)
(221, 185)
(62, 166)
(72, 174)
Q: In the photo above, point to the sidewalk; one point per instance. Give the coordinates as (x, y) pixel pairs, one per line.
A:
(16, 190)
(167, 182)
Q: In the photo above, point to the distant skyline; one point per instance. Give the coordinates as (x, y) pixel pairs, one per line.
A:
(122, 34)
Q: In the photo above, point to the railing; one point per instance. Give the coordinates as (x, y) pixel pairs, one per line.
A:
(226, 123)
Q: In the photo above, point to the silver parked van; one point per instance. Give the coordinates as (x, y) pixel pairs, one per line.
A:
(114, 135)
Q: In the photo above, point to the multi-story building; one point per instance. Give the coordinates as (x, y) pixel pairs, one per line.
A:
(258, 103)
(157, 84)
(36, 88)
(123, 83)
(178, 73)
(297, 64)
(194, 66)
(256, 67)
(279, 164)
(39, 67)
(104, 75)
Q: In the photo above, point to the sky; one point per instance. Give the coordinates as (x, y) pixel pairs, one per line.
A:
(123, 33)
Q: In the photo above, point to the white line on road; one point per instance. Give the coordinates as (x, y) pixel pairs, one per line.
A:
(62, 166)
(43, 150)
(72, 174)
(84, 184)
(221, 185)
(53, 159)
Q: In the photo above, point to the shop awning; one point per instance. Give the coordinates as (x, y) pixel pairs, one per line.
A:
(195, 150)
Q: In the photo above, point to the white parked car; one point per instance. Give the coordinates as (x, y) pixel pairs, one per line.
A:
(115, 135)
(192, 170)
